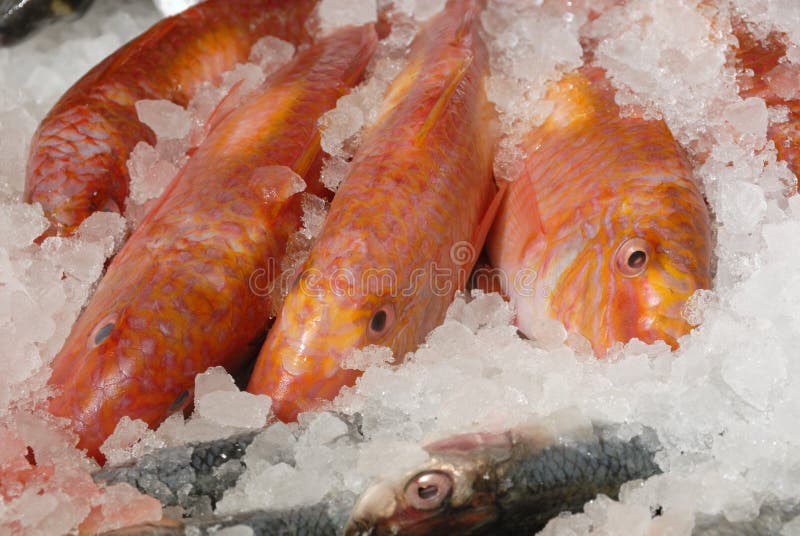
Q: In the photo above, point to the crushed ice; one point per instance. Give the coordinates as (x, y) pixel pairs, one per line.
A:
(724, 405)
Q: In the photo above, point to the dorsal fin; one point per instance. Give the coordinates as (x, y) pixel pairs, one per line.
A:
(482, 230)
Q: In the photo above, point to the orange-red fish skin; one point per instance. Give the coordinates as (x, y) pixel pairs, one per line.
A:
(180, 296)
(411, 205)
(761, 69)
(77, 157)
(593, 180)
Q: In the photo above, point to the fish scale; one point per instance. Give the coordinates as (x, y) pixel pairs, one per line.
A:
(177, 299)
(419, 186)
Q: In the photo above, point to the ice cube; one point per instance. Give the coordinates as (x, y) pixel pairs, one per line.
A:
(27, 222)
(334, 14)
(368, 356)
(167, 119)
(233, 408)
(749, 118)
(213, 379)
(270, 53)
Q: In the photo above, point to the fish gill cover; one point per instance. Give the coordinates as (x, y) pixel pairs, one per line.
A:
(724, 405)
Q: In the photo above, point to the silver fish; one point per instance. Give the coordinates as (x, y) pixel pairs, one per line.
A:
(20, 18)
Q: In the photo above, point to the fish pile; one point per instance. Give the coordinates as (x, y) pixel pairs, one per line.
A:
(594, 227)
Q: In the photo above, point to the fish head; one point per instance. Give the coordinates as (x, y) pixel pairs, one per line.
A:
(328, 314)
(455, 492)
(631, 275)
(121, 359)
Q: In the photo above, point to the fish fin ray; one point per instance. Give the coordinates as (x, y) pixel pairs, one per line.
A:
(482, 230)
(438, 108)
(224, 106)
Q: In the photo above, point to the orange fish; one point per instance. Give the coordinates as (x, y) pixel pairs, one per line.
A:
(77, 157)
(401, 234)
(604, 229)
(177, 299)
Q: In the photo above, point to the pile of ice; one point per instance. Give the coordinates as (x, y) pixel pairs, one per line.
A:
(724, 406)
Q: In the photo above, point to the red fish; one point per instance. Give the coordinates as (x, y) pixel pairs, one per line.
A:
(177, 298)
(605, 229)
(78, 154)
(403, 230)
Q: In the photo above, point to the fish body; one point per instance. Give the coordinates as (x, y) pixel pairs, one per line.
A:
(389, 257)
(604, 229)
(190, 476)
(77, 157)
(508, 483)
(763, 74)
(181, 295)
(20, 18)
(313, 520)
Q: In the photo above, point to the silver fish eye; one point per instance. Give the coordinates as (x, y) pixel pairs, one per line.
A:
(427, 491)
(632, 257)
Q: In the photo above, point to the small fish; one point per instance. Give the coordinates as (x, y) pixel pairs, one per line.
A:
(77, 157)
(180, 296)
(189, 476)
(763, 74)
(605, 229)
(404, 228)
(21, 18)
(508, 483)
(313, 520)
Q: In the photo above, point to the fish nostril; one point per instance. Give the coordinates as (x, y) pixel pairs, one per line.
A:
(103, 330)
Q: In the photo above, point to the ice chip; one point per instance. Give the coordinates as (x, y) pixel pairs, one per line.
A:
(420, 10)
(234, 408)
(149, 174)
(315, 209)
(368, 356)
(333, 172)
(742, 206)
(324, 427)
(131, 439)
(167, 119)
(334, 14)
(748, 117)
(213, 379)
(270, 53)
(27, 222)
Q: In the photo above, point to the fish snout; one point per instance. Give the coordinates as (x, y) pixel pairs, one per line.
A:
(298, 376)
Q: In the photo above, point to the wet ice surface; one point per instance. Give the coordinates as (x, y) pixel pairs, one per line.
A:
(724, 406)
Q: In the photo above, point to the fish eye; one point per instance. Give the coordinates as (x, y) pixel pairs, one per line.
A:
(102, 331)
(632, 257)
(428, 491)
(381, 321)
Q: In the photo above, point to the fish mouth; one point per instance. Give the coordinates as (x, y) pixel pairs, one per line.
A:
(299, 366)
